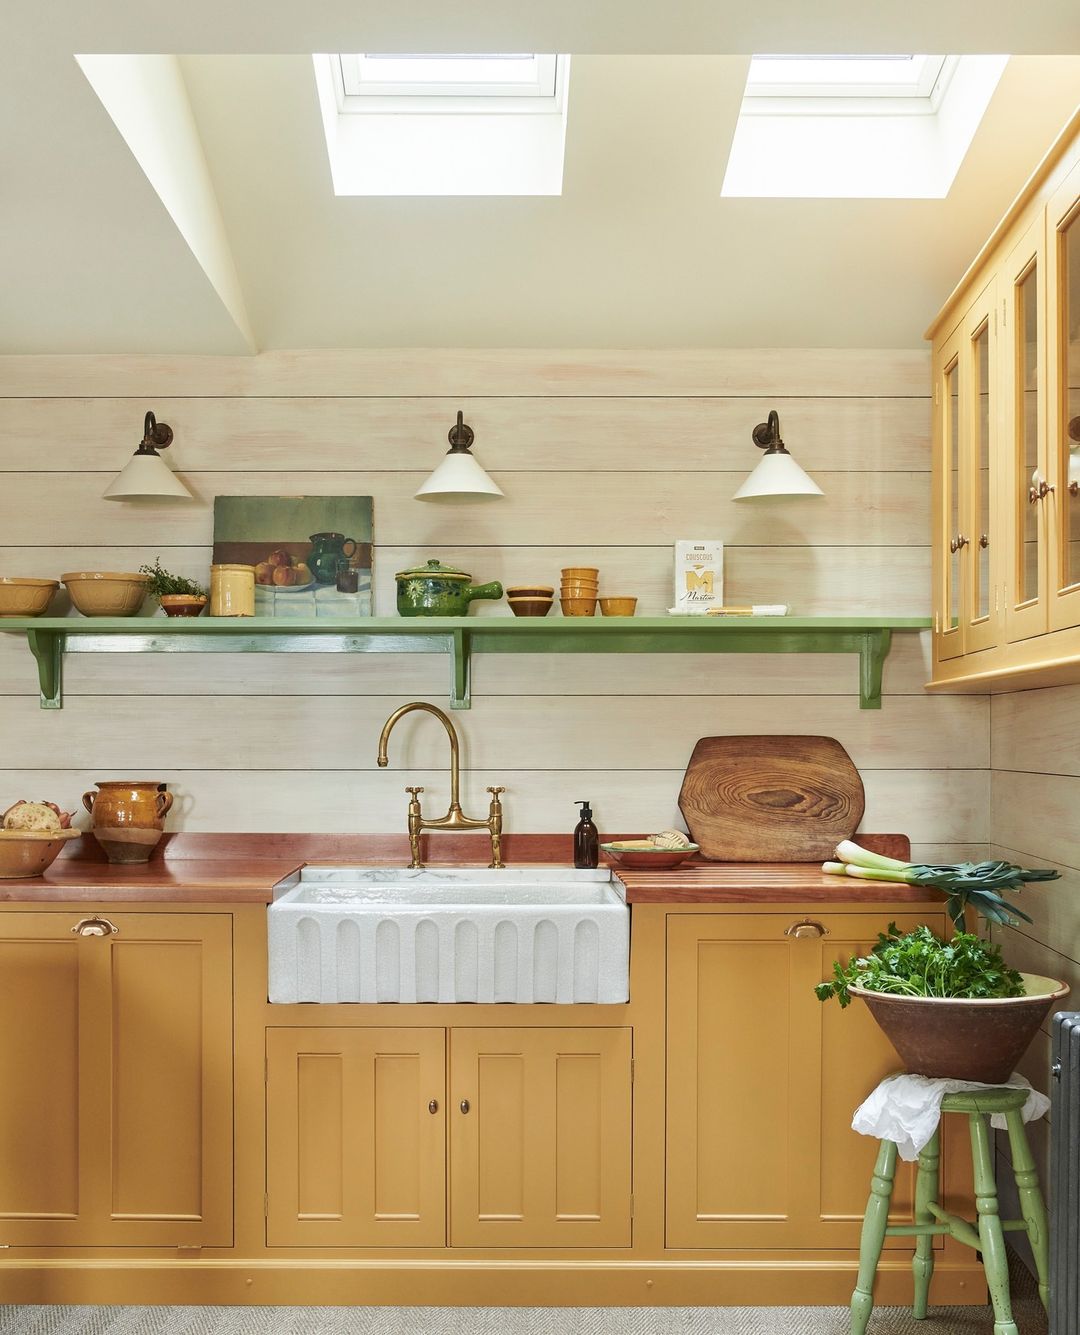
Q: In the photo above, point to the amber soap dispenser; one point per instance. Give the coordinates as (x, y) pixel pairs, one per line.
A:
(586, 839)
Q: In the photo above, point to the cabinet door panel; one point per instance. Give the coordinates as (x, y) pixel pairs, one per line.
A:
(1063, 290)
(979, 466)
(165, 980)
(40, 1123)
(541, 1157)
(355, 1156)
(947, 521)
(762, 1082)
(1023, 367)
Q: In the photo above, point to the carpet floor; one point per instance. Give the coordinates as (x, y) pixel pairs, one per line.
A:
(502, 1320)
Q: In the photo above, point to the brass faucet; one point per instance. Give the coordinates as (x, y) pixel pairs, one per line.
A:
(455, 819)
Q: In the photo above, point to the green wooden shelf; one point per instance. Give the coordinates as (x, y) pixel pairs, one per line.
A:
(50, 638)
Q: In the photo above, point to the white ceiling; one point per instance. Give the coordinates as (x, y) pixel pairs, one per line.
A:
(640, 249)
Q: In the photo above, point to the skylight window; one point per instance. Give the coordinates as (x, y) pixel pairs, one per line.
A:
(857, 127)
(850, 76)
(458, 83)
(445, 124)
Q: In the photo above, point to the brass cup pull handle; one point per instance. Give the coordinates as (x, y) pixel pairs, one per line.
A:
(433, 1106)
(465, 1105)
(95, 927)
(805, 929)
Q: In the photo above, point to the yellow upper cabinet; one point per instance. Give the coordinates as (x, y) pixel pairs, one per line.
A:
(1006, 405)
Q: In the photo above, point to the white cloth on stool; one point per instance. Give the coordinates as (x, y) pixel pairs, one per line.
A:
(906, 1109)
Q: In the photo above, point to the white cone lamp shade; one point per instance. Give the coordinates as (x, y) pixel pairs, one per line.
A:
(777, 473)
(459, 478)
(146, 473)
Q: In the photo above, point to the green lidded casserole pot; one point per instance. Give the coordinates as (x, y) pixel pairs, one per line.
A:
(435, 590)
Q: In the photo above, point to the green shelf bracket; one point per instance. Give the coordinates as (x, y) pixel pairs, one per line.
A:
(47, 646)
(459, 638)
(460, 669)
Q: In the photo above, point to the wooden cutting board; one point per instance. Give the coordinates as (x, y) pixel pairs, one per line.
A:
(770, 799)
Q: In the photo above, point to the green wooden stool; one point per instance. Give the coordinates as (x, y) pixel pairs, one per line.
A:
(932, 1221)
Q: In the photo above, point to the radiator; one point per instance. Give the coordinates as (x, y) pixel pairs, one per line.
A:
(1065, 1177)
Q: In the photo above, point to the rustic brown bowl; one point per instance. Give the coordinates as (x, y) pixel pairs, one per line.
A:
(181, 604)
(105, 593)
(964, 1038)
(30, 852)
(25, 597)
(530, 607)
(618, 607)
(530, 591)
(578, 607)
(647, 859)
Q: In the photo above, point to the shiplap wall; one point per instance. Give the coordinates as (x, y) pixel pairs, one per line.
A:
(606, 458)
(1035, 802)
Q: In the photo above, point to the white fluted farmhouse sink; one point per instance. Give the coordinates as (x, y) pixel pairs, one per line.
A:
(513, 935)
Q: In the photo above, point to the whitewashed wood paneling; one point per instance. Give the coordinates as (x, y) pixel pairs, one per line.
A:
(479, 372)
(940, 809)
(542, 732)
(1037, 814)
(640, 435)
(606, 458)
(540, 509)
(1038, 731)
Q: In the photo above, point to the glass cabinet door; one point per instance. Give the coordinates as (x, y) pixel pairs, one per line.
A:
(1024, 369)
(948, 574)
(978, 539)
(1063, 245)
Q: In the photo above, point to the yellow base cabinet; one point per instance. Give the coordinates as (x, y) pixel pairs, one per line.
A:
(540, 1137)
(762, 1081)
(116, 1067)
(355, 1138)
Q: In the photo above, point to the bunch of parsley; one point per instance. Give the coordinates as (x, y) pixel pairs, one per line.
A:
(919, 964)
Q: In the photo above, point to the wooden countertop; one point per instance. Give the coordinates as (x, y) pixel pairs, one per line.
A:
(243, 869)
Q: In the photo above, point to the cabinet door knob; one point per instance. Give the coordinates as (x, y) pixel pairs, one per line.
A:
(433, 1106)
(807, 928)
(984, 541)
(1045, 489)
(95, 927)
(957, 543)
(465, 1105)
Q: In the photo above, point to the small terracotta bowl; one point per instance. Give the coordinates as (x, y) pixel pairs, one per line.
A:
(25, 597)
(103, 593)
(530, 591)
(578, 607)
(618, 607)
(30, 852)
(576, 588)
(581, 572)
(530, 607)
(181, 604)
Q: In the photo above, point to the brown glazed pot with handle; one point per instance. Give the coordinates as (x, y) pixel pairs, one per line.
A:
(128, 817)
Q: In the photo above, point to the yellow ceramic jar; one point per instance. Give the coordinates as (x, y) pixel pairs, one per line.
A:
(232, 591)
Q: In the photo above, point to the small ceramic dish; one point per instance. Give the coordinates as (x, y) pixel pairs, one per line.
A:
(632, 855)
(25, 597)
(618, 607)
(530, 591)
(530, 607)
(578, 607)
(106, 593)
(182, 604)
(30, 852)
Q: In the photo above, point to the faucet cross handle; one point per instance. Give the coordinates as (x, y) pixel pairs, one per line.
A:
(414, 791)
(496, 791)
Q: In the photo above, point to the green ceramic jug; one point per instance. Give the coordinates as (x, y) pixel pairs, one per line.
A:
(435, 590)
(328, 550)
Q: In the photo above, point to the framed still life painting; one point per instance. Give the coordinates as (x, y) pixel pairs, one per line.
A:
(312, 554)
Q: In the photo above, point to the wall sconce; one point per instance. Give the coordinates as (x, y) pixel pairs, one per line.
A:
(777, 473)
(459, 477)
(146, 473)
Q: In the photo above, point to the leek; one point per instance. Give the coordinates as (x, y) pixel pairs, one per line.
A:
(977, 884)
